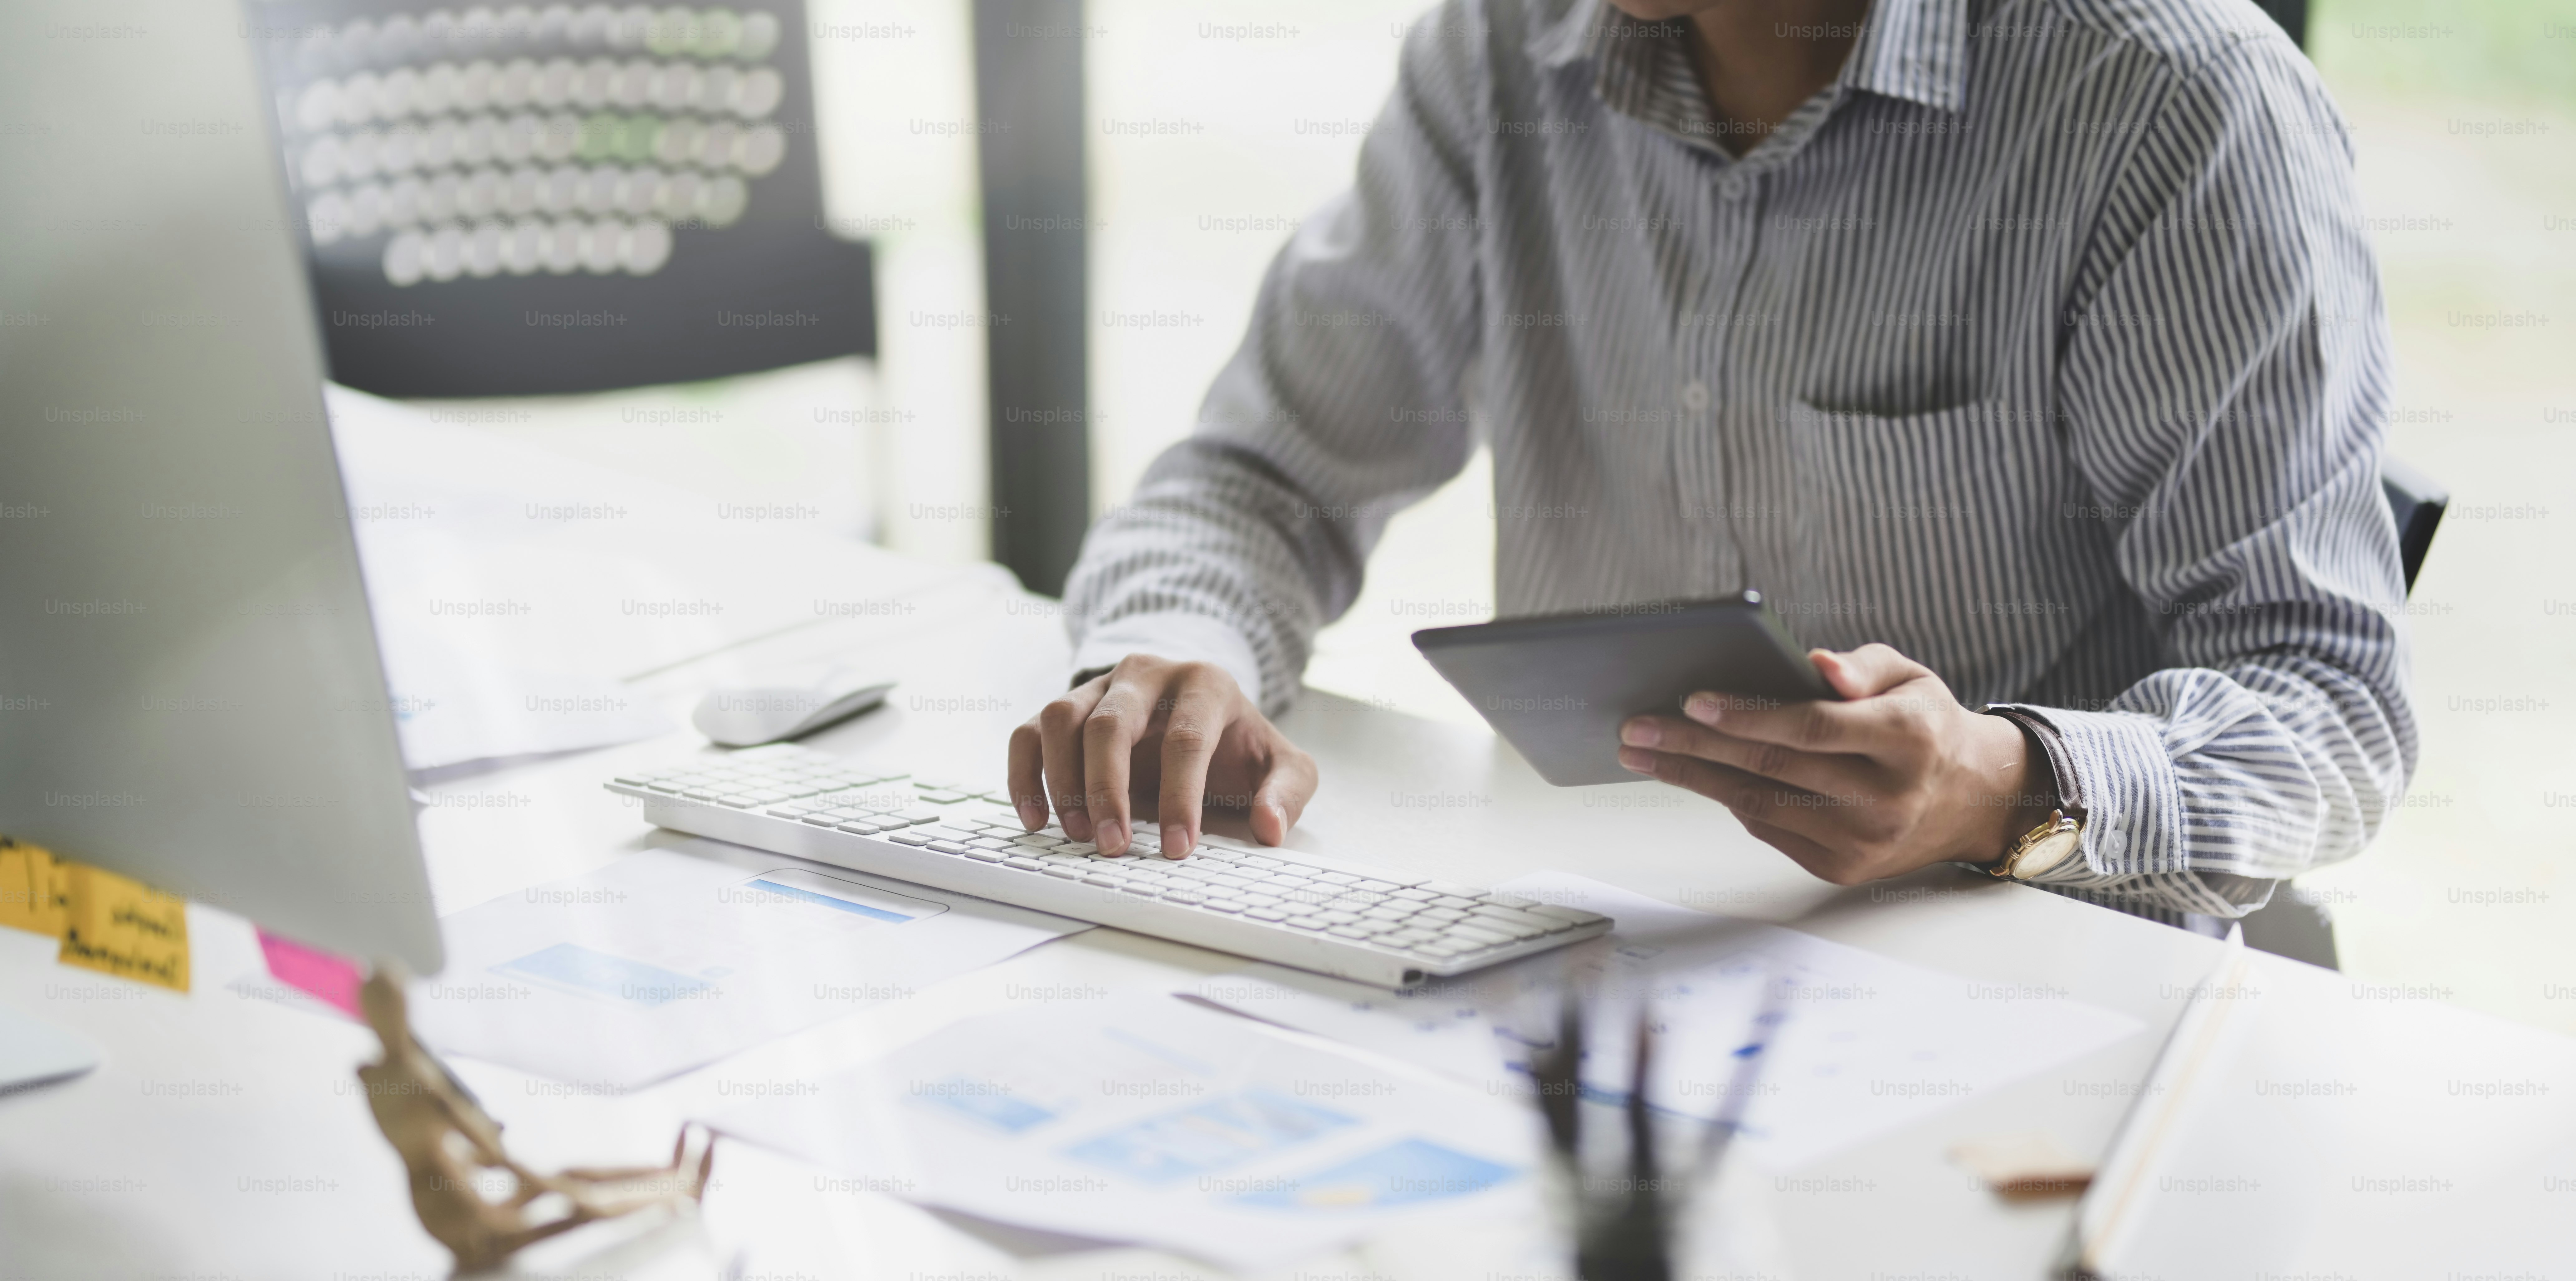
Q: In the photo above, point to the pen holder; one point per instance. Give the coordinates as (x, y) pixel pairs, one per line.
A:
(1624, 1176)
(1607, 1185)
(1617, 1234)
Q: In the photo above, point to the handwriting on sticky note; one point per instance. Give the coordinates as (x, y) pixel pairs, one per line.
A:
(31, 889)
(120, 926)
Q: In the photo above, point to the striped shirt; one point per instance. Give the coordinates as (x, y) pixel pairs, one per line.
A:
(2044, 345)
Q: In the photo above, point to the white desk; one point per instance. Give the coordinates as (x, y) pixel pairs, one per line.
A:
(222, 1137)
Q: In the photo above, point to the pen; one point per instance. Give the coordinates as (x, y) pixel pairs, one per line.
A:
(2117, 1202)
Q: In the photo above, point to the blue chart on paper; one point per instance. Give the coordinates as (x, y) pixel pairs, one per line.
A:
(1410, 1171)
(834, 902)
(597, 973)
(1210, 1136)
(986, 1102)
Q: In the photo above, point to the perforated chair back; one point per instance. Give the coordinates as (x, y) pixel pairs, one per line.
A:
(530, 200)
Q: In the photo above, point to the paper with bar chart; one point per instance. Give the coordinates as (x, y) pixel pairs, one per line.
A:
(1852, 1044)
(1145, 1119)
(675, 957)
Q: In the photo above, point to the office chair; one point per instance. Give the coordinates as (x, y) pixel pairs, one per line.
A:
(2291, 925)
(532, 200)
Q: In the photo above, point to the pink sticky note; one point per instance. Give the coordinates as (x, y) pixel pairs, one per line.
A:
(325, 976)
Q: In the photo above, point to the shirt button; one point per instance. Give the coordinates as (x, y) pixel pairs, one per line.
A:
(1694, 395)
(1733, 186)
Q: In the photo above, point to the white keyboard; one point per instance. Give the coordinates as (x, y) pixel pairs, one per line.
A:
(1349, 920)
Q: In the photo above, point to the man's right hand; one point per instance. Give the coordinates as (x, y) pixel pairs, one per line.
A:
(1182, 731)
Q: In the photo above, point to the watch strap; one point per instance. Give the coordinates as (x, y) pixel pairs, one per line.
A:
(2068, 785)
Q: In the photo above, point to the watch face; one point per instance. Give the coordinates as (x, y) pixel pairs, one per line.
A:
(2050, 850)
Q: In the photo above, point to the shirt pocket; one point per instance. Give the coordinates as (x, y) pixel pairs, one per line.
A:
(1940, 534)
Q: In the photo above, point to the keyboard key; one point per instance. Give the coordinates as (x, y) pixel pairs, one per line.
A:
(1526, 920)
(1407, 938)
(1385, 913)
(947, 847)
(1185, 894)
(1024, 863)
(1263, 913)
(1454, 890)
(1569, 915)
(1453, 901)
(985, 856)
(1337, 918)
(911, 838)
(1104, 882)
(1345, 931)
(1079, 847)
(1337, 878)
(1508, 900)
(1378, 887)
(1226, 904)
(1064, 871)
(1036, 841)
(862, 828)
(1478, 935)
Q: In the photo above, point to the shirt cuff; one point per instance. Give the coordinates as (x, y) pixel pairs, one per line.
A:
(2133, 799)
(1178, 636)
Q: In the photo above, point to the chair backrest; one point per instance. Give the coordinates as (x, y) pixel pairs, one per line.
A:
(528, 200)
(2417, 501)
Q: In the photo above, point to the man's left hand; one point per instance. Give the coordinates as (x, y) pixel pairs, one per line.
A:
(1899, 777)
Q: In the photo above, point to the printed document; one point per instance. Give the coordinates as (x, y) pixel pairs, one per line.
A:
(675, 957)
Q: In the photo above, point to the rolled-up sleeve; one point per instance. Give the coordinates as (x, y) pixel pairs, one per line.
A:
(2225, 377)
(1344, 403)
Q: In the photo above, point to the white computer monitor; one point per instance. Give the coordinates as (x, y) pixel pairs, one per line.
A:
(189, 686)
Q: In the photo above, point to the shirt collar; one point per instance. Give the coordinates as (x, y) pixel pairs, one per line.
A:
(1911, 49)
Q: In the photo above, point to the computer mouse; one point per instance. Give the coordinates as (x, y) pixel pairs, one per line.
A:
(750, 716)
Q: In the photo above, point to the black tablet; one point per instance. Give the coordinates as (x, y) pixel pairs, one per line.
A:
(1557, 687)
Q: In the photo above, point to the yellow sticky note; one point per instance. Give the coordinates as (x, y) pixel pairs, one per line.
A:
(30, 889)
(120, 926)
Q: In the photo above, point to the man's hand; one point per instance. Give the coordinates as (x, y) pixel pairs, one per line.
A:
(1180, 730)
(1900, 777)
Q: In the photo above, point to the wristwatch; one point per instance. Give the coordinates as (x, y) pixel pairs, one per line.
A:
(2062, 833)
